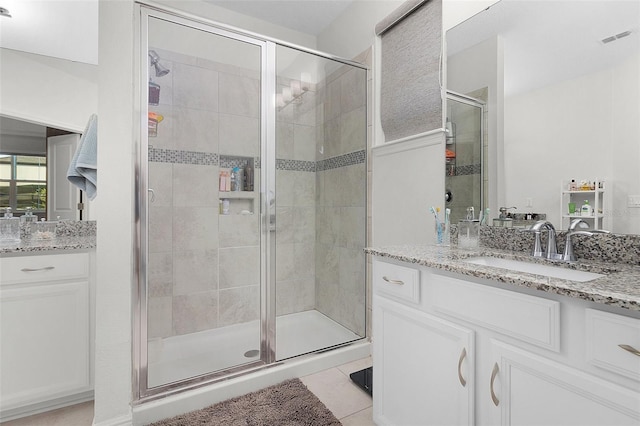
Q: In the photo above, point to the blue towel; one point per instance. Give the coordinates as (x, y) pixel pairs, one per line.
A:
(83, 170)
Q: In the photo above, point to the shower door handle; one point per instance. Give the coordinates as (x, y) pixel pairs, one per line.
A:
(272, 223)
(152, 194)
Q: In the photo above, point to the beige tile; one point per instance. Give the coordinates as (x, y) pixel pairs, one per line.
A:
(304, 189)
(285, 262)
(361, 418)
(161, 181)
(159, 317)
(195, 87)
(195, 271)
(239, 135)
(337, 392)
(239, 230)
(285, 181)
(160, 274)
(195, 130)
(239, 266)
(239, 305)
(74, 415)
(239, 95)
(195, 228)
(160, 229)
(304, 225)
(195, 312)
(304, 260)
(195, 185)
(285, 225)
(353, 89)
(305, 112)
(304, 142)
(357, 365)
(353, 131)
(284, 140)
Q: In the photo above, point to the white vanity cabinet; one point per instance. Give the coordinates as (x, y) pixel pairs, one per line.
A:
(423, 365)
(529, 360)
(46, 351)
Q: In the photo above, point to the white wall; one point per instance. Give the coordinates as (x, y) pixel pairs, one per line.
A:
(577, 129)
(46, 90)
(114, 213)
(354, 30)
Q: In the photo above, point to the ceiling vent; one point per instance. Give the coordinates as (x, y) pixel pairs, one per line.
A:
(615, 37)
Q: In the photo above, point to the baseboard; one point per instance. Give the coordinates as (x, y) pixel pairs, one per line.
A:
(126, 420)
(41, 407)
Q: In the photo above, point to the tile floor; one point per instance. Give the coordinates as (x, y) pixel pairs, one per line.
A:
(350, 404)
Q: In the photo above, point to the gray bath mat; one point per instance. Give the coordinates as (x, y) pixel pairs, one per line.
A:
(289, 403)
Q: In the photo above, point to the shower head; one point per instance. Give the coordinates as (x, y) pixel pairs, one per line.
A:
(160, 70)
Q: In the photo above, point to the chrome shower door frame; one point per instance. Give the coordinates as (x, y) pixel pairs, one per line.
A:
(142, 392)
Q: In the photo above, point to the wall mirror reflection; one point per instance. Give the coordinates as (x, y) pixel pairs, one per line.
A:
(34, 159)
(563, 101)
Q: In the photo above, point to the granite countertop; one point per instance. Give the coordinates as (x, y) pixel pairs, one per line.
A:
(70, 235)
(619, 287)
(28, 245)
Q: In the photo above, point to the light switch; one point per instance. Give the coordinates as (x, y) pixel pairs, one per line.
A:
(633, 201)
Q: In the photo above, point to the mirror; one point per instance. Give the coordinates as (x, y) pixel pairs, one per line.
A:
(34, 159)
(563, 103)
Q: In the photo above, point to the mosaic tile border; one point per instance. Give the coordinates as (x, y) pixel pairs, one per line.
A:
(472, 169)
(350, 159)
(296, 165)
(160, 155)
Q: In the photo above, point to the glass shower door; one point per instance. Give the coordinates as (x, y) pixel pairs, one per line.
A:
(203, 254)
(464, 179)
(321, 139)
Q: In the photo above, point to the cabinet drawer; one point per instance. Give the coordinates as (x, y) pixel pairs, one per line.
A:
(605, 333)
(398, 281)
(527, 318)
(51, 267)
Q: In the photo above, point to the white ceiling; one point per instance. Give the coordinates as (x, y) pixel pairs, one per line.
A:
(305, 16)
(549, 41)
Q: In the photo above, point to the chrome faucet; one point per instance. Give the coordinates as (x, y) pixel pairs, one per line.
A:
(551, 252)
(569, 255)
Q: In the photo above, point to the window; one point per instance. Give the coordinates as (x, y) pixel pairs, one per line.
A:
(23, 183)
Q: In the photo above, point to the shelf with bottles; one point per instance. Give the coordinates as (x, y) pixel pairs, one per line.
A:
(237, 186)
(585, 199)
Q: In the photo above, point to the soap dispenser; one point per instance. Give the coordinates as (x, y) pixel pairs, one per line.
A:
(9, 227)
(27, 219)
(586, 209)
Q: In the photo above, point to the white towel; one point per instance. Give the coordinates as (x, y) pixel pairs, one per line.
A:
(83, 170)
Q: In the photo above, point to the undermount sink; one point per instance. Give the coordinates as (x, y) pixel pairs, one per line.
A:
(534, 268)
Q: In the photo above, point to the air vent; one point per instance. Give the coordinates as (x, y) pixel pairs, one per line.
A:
(615, 37)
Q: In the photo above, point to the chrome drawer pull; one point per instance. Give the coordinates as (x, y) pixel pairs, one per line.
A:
(631, 349)
(389, 280)
(463, 355)
(494, 373)
(46, 268)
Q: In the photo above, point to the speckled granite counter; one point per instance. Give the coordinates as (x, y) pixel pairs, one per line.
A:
(619, 287)
(70, 235)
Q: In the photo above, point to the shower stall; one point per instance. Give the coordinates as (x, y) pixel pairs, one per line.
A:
(251, 202)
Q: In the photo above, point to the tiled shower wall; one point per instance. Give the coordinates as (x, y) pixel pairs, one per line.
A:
(203, 267)
(295, 204)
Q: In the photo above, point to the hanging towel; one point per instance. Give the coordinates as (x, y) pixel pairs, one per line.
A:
(83, 170)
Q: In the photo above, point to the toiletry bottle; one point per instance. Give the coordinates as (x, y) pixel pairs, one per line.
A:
(586, 209)
(225, 206)
(248, 178)
(9, 227)
(234, 179)
(572, 185)
(27, 219)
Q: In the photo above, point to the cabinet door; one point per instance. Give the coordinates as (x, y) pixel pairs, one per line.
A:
(530, 390)
(423, 368)
(45, 351)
